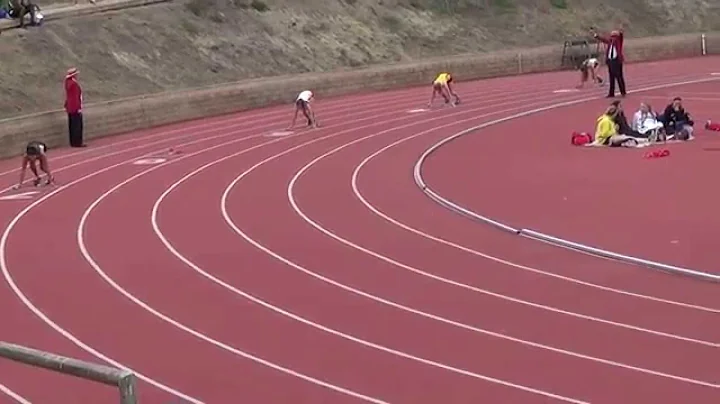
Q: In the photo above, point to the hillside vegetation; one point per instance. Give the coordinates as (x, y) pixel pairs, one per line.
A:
(189, 43)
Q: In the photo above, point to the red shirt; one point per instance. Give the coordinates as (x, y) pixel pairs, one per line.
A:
(614, 46)
(73, 96)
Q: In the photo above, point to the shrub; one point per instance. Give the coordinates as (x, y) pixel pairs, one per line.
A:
(392, 23)
(197, 7)
(259, 5)
(561, 4)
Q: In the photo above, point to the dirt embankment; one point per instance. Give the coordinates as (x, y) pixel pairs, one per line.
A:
(189, 43)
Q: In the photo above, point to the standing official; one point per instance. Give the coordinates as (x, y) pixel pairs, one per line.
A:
(614, 59)
(73, 107)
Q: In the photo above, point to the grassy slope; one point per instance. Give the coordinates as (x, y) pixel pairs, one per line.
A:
(195, 42)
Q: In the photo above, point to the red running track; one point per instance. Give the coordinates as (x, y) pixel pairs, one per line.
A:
(309, 268)
(667, 207)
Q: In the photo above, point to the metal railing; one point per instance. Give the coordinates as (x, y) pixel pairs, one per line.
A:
(122, 379)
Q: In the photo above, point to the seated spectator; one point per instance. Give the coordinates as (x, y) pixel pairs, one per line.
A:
(606, 132)
(678, 123)
(623, 127)
(4, 8)
(20, 8)
(646, 123)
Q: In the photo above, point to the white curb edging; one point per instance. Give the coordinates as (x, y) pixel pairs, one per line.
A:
(532, 234)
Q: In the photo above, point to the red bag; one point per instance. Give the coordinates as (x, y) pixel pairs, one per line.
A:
(580, 139)
(712, 126)
(657, 154)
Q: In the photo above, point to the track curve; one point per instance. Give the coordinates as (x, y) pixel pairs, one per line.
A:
(309, 268)
(532, 233)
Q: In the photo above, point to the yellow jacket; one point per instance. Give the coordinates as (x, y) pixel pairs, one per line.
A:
(605, 129)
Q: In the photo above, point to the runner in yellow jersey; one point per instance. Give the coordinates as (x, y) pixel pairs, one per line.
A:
(442, 85)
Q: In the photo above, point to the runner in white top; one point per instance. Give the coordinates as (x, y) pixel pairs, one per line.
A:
(588, 69)
(302, 102)
(306, 96)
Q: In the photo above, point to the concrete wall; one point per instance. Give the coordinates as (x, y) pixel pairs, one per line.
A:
(126, 115)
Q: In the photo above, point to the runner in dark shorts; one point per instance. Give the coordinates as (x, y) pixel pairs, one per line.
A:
(35, 152)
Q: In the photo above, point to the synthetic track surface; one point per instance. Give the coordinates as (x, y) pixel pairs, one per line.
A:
(309, 268)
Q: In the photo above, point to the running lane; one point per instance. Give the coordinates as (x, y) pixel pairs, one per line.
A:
(188, 243)
(190, 136)
(178, 238)
(204, 337)
(19, 324)
(325, 196)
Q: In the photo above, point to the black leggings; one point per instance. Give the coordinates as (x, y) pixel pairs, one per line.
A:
(615, 74)
(75, 129)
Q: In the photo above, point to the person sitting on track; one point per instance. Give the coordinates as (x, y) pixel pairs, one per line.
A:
(443, 85)
(606, 132)
(623, 126)
(678, 122)
(302, 102)
(35, 151)
(646, 123)
(588, 69)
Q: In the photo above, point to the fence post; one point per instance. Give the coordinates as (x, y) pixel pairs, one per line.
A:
(520, 61)
(126, 384)
(704, 46)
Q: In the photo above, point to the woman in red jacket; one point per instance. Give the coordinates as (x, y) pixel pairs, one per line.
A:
(73, 107)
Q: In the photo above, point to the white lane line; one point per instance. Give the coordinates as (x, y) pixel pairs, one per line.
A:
(307, 219)
(149, 161)
(280, 133)
(80, 235)
(15, 396)
(19, 196)
(337, 333)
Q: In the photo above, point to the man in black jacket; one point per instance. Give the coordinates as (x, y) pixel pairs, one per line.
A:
(677, 121)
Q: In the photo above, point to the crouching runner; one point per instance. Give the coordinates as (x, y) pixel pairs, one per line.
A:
(35, 152)
(443, 85)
